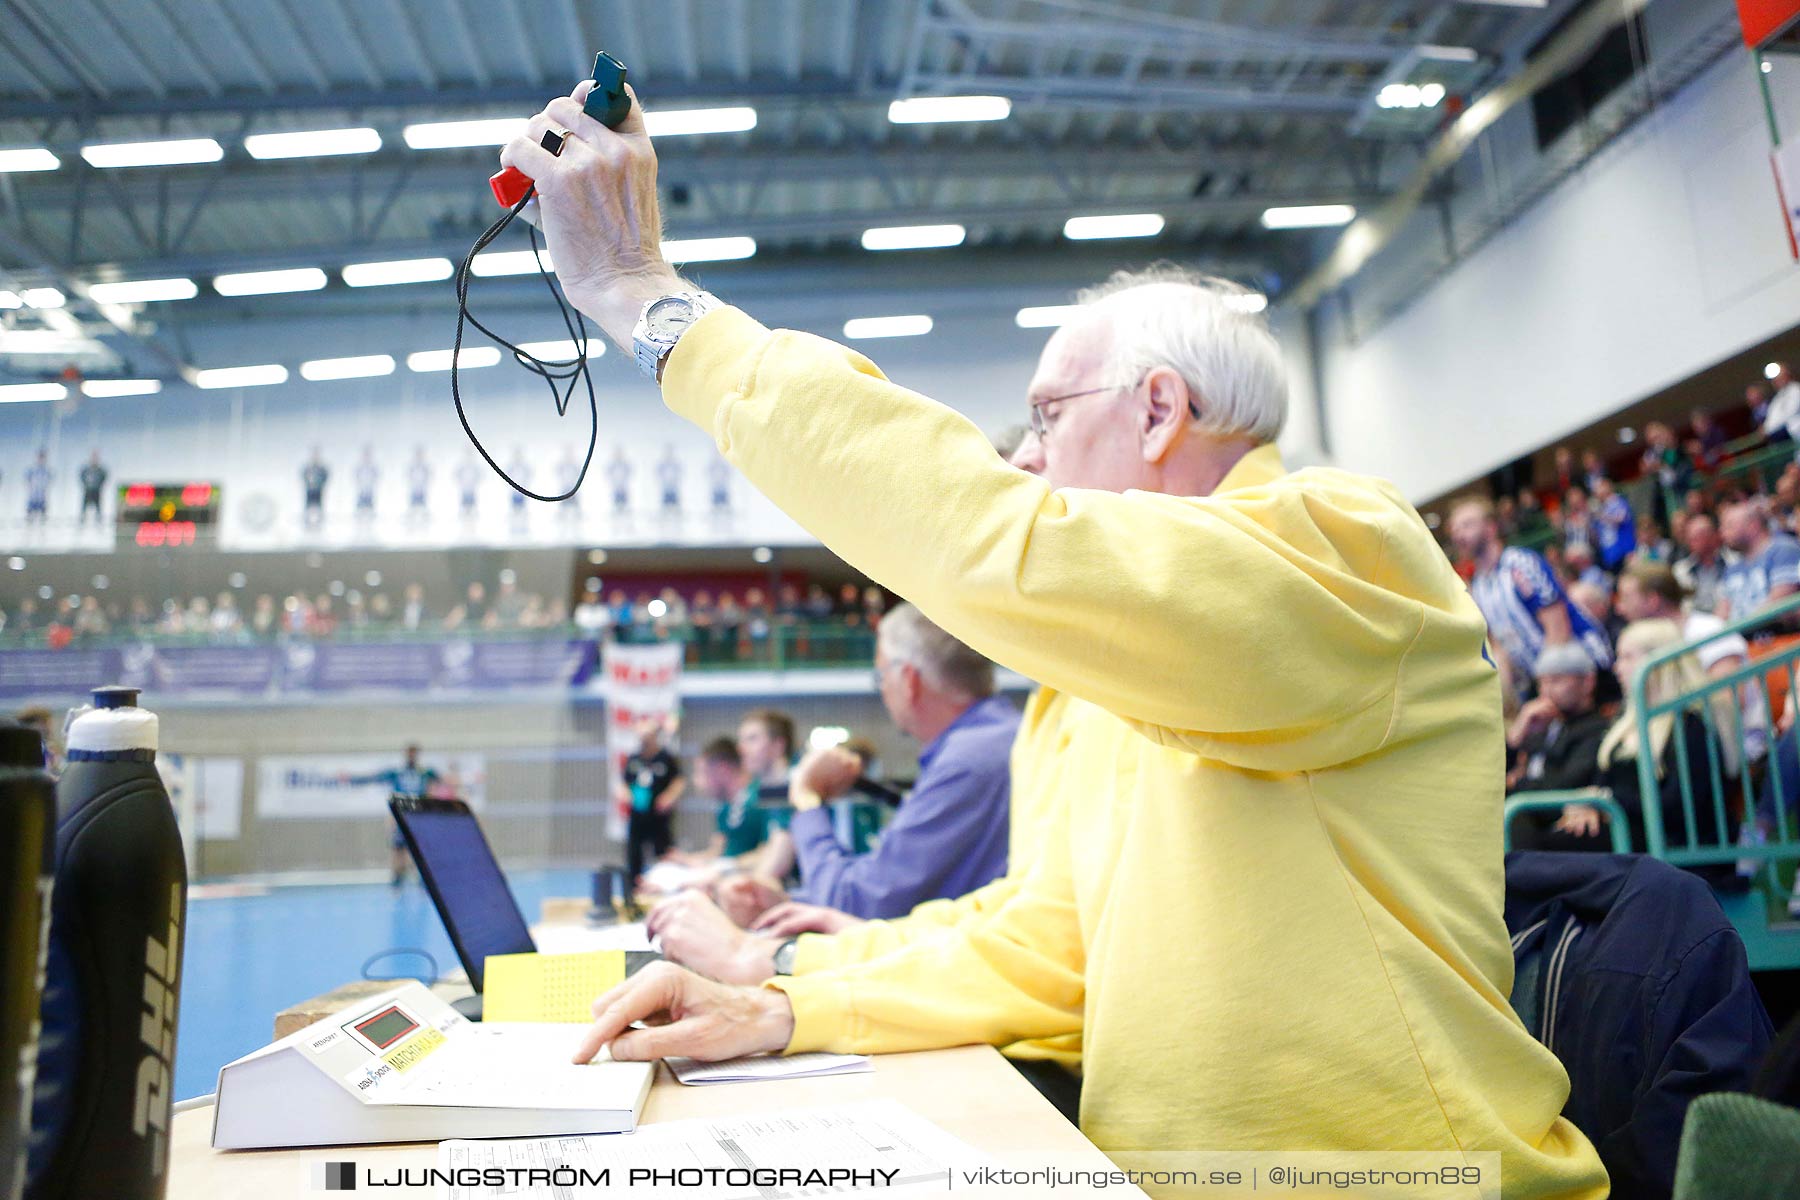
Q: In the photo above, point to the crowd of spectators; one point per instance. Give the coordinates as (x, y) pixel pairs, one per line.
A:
(719, 623)
(1581, 585)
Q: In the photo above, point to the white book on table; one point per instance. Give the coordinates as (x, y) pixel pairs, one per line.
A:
(404, 1067)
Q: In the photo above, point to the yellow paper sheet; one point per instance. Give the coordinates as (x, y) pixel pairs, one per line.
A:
(551, 988)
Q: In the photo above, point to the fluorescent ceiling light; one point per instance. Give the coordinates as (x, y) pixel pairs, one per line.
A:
(508, 262)
(683, 121)
(362, 366)
(884, 327)
(719, 249)
(26, 393)
(313, 143)
(1411, 95)
(1309, 216)
(102, 389)
(912, 237)
(43, 298)
(28, 158)
(402, 270)
(1250, 303)
(153, 154)
(44, 341)
(268, 283)
(448, 135)
(1771, 371)
(1082, 229)
(439, 360)
(563, 351)
(142, 291)
(235, 377)
(921, 110)
(1045, 316)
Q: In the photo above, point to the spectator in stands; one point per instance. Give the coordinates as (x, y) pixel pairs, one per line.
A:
(787, 605)
(592, 617)
(758, 624)
(1615, 525)
(1533, 526)
(1707, 560)
(227, 622)
(264, 621)
(1595, 602)
(381, 610)
(1674, 738)
(673, 623)
(413, 614)
(1526, 608)
(1666, 462)
(1593, 470)
(1652, 592)
(1711, 438)
(1652, 545)
(1781, 422)
(874, 604)
(1768, 569)
(1555, 739)
(1784, 507)
(624, 617)
(1576, 521)
(509, 602)
(139, 620)
(727, 622)
(849, 605)
(90, 622)
(473, 612)
(650, 786)
(1579, 567)
(1756, 399)
(26, 619)
(1506, 518)
(1566, 477)
(702, 617)
(322, 622)
(817, 604)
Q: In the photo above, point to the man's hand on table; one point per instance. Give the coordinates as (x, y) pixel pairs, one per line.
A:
(688, 1016)
(792, 918)
(599, 211)
(696, 934)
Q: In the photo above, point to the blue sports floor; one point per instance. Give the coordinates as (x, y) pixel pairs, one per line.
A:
(250, 956)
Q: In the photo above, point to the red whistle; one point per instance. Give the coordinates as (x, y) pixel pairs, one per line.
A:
(511, 184)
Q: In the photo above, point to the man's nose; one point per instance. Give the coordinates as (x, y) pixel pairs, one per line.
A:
(1030, 454)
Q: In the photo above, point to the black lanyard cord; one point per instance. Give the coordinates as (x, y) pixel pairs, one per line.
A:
(552, 372)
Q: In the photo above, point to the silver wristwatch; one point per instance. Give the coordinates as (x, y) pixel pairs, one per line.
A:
(661, 325)
(784, 956)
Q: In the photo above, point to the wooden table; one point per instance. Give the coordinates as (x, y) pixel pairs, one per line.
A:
(969, 1091)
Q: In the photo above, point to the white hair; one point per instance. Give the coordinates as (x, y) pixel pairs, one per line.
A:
(1208, 331)
(908, 636)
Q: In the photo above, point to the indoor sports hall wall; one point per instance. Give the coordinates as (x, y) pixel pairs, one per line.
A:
(1659, 257)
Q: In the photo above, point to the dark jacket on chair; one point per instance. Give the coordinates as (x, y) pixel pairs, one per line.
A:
(1630, 972)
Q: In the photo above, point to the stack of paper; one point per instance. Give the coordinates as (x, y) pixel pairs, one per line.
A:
(768, 1066)
(405, 1066)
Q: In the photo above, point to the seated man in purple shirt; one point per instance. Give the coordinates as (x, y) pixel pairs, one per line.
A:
(949, 836)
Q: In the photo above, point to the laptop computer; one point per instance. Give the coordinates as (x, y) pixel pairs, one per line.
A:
(469, 889)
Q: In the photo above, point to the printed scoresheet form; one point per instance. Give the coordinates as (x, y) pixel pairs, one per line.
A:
(877, 1147)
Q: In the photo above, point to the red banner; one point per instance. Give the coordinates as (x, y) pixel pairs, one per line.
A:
(1764, 19)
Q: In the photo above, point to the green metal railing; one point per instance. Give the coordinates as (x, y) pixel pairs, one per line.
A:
(1772, 939)
(1617, 824)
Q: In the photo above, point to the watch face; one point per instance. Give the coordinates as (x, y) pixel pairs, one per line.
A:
(667, 318)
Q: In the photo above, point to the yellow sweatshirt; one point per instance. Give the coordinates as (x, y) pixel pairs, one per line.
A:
(1278, 871)
(1036, 751)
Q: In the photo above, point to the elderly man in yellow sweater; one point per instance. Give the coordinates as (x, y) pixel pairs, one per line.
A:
(1269, 895)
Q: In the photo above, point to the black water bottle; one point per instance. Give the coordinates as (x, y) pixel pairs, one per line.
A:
(100, 1121)
(27, 853)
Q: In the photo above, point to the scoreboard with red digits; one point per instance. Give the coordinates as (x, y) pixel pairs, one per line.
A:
(156, 515)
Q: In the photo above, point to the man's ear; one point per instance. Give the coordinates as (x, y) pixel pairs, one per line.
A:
(1166, 402)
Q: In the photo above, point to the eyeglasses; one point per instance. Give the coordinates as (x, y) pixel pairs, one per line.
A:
(1041, 422)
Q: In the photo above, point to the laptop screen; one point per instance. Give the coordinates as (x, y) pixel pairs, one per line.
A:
(467, 886)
